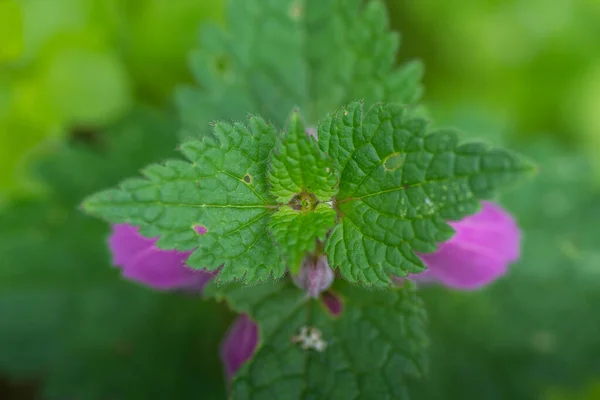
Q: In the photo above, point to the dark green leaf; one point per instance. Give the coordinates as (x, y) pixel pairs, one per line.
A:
(222, 188)
(372, 350)
(399, 185)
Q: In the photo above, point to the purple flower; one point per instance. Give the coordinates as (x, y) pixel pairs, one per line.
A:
(315, 276)
(239, 344)
(241, 339)
(141, 261)
(479, 253)
(333, 303)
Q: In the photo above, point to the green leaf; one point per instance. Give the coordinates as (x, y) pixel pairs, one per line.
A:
(222, 189)
(297, 166)
(297, 231)
(316, 54)
(399, 185)
(372, 350)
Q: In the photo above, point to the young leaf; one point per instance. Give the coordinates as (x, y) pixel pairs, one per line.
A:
(370, 351)
(398, 186)
(317, 54)
(223, 190)
(299, 166)
(297, 231)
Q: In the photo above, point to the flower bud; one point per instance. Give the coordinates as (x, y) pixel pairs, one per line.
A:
(239, 345)
(315, 276)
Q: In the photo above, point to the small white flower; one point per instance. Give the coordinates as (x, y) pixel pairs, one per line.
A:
(310, 338)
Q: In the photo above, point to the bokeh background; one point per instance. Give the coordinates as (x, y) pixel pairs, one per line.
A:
(86, 98)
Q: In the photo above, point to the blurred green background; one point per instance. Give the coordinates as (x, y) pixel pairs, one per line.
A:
(86, 89)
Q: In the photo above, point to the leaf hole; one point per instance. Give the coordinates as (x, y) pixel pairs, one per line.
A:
(392, 162)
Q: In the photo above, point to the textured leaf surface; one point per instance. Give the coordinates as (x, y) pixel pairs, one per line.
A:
(223, 189)
(373, 349)
(277, 54)
(297, 231)
(298, 166)
(398, 186)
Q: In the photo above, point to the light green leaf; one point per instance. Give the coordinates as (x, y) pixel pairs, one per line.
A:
(297, 231)
(222, 189)
(399, 185)
(277, 54)
(372, 350)
(298, 166)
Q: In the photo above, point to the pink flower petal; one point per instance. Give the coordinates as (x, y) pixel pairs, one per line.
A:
(239, 345)
(141, 261)
(315, 276)
(333, 303)
(484, 246)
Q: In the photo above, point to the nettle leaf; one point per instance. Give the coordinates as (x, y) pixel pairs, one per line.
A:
(297, 231)
(276, 54)
(399, 185)
(223, 189)
(372, 350)
(297, 165)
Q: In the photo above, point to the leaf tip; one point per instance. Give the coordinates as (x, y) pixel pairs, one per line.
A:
(87, 205)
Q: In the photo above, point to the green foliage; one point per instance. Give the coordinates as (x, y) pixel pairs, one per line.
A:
(373, 349)
(399, 185)
(591, 391)
(67, 316)
(297, 231)
(278, 54)
(72, 64)
(531, 330)
(223, 188)
(79, 100)
(266, 201)
(298, 166)
(11, 26)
